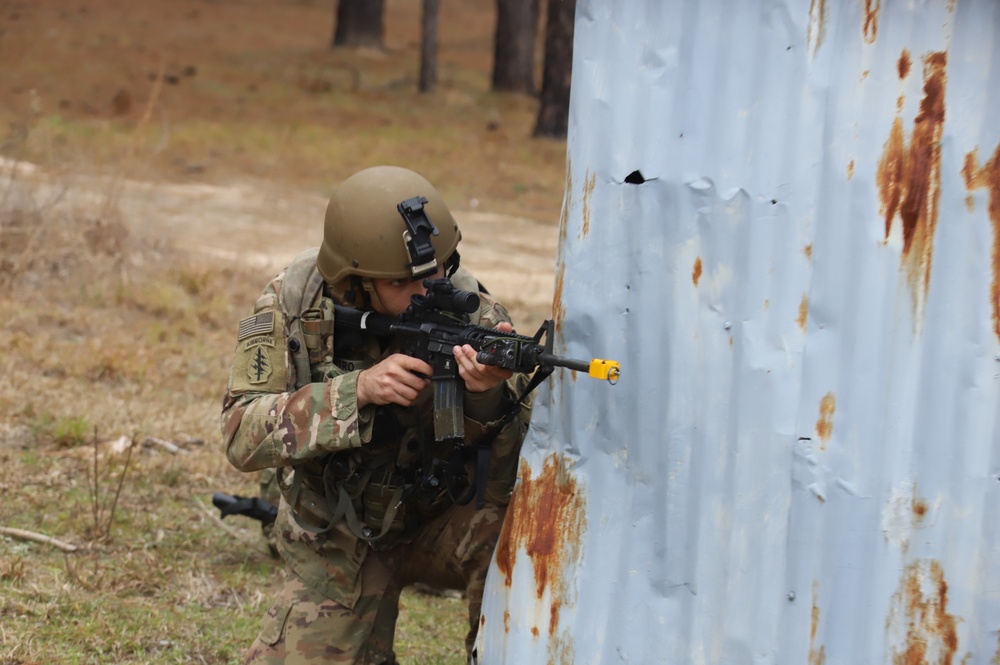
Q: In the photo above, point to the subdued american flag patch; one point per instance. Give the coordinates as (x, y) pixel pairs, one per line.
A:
(259, 324)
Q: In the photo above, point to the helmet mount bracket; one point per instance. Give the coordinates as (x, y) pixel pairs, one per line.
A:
(417, 237)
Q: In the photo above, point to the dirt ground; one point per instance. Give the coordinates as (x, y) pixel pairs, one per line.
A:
(222, 125)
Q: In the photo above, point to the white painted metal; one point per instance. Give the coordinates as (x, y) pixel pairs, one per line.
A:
(801, 462)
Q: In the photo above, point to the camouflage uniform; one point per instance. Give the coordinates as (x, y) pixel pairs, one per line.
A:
(268, 481)
(340, 601)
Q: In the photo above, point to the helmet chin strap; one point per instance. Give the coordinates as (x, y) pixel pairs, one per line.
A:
(451, 265)
(354, 291)
(371, 296)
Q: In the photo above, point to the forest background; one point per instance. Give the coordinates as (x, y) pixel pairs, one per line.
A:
(159, 162)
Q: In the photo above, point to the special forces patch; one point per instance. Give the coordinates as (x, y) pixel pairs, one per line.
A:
(259, 368)
(260, 363)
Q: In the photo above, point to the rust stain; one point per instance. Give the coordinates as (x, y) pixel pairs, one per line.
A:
(558, 309)
(561, 650)
(904, 64)
(850, 170)
(816, 656)
(891, 173)
(564, 215)
(920, 608)
(919, 507)
(808, 249)
(865, 74)
(588, 192)
(909, 176)
(816, 31)
(870, 29)
(554, 616)
(506, 621)
(546, 517)
(803, 318)
(814, 624)
(534, 631)
(824, 426)
(996, 656)
(970, 169)
(988, 177)
(696, 271)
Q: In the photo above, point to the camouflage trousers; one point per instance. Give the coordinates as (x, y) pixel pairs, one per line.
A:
(304, 626)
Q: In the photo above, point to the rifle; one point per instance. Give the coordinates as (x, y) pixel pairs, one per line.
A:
(253, 507)
(436, 322)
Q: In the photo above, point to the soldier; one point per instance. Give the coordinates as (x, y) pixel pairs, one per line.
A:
(368, 502)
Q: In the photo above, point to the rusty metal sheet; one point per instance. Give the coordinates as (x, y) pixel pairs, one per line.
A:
(783, 218)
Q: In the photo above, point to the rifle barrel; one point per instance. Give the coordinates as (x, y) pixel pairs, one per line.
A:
(598, 368)
(560, 361)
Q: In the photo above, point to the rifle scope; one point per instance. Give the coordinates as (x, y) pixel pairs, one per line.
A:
(442, 295)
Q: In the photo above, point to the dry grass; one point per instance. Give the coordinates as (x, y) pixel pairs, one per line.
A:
(113, 335)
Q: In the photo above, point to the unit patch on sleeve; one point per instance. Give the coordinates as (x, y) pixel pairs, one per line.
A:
(259, 368)
(260, 363)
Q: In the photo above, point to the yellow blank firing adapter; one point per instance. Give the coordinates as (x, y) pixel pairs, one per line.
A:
(597, 368)
(605, 369)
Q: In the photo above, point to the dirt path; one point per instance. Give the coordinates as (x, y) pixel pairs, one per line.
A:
(263, 225)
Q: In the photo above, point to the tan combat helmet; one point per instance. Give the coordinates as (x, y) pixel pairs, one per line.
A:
(386, 222)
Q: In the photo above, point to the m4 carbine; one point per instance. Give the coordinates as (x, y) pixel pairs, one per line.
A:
(437, 322)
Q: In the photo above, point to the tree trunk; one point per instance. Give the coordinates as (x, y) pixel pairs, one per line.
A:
(514, 46)
(359, 23)
(429, 45)
(553, 112)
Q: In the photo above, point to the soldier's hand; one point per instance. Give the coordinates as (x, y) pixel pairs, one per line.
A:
(478, 377)
(398, 379)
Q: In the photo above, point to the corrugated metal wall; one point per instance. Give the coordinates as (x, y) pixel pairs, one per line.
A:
(801, 462)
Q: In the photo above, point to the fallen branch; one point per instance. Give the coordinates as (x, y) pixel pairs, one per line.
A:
(171, 448)
(21, 534)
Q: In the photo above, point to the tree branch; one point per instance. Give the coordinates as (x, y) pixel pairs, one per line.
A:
(21, 534)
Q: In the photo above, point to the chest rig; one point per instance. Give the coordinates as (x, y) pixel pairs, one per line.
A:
(386, 489)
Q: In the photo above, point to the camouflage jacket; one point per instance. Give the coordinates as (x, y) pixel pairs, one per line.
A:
(273, 419)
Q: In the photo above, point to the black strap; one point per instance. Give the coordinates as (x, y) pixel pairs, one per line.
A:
(482, 449)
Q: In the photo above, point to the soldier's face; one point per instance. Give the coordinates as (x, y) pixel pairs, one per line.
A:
(394, 294)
